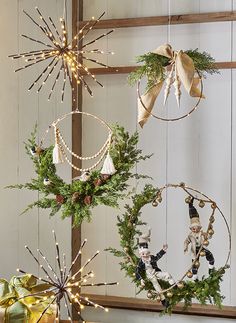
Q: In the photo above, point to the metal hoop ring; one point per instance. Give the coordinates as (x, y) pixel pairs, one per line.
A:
(191, 191)
(55, 122)
(171, 119)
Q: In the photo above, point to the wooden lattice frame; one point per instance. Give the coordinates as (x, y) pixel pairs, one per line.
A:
(77, 21)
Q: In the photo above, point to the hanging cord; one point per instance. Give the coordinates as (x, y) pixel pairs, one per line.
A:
(65, 12)
(107, 217)
(18, 137)
(231, 136)
(167, 129)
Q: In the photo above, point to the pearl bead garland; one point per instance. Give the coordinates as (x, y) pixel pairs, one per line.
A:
(64, 148)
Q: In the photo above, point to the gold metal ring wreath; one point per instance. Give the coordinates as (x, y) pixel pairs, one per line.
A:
(104, 185)
(164, 68)
(142, 267)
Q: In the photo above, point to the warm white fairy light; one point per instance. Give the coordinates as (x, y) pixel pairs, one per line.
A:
(66, 55)
(63, 285)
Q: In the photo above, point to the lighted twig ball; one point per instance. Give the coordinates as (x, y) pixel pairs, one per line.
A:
(66, 55)
(64, 283)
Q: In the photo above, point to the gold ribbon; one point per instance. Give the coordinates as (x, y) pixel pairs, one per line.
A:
(17, 310)
(184, 68)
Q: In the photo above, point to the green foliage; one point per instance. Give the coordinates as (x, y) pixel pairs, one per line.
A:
(154, 67)
(125, 156)
(206, 290)
(203, 62)
(128, 230)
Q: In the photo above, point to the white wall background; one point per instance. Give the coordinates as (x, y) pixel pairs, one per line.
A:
(199, 150)
(19, 111)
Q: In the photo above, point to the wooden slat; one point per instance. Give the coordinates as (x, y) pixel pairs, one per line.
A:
(77, 11)
(165, 20)
(138, 304)
(128, 69)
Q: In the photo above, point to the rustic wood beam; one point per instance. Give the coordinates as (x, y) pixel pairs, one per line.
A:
(128, 69)
(77, 13)
(165, 20)
(138, 304)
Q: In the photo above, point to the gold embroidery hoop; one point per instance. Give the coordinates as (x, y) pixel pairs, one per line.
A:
(171, 119)
(101, 153)
(194, 193)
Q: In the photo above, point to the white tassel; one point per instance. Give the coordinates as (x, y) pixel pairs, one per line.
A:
(57, 155)
(108, 166)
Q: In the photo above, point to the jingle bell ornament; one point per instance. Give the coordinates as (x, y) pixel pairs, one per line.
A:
(169, 294)
(180, 285)
(212, 219)
(149, 295)
(158, 298)
(211, 232)
(188, 199)
(154, 203)
(205, 243)
(197, 264)
(202, 253)
(201, 204)
(213, 205)
(189, 274)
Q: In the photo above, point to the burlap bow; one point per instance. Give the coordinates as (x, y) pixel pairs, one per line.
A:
(184, 69)
(15, 309)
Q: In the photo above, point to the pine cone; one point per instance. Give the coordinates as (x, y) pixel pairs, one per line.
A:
(88, 200)
(75, 197)
(60, 199)
(105, 177)
(98, 182)
(39, 151)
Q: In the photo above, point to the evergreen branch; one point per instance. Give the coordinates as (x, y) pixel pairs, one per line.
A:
(206, 290)
(96, 191)
(154, 67)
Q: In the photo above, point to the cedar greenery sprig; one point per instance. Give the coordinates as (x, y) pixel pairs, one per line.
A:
(154, 66)
(206, 290)
(78, 198)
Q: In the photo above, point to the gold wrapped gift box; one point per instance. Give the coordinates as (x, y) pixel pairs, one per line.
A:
(14, 308)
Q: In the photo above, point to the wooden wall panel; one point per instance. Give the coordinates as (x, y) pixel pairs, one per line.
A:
(20, 110)
(198, 150)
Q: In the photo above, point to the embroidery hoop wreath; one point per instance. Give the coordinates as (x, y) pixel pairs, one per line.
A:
(155, 68)
(98, 190)
(205, 290)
